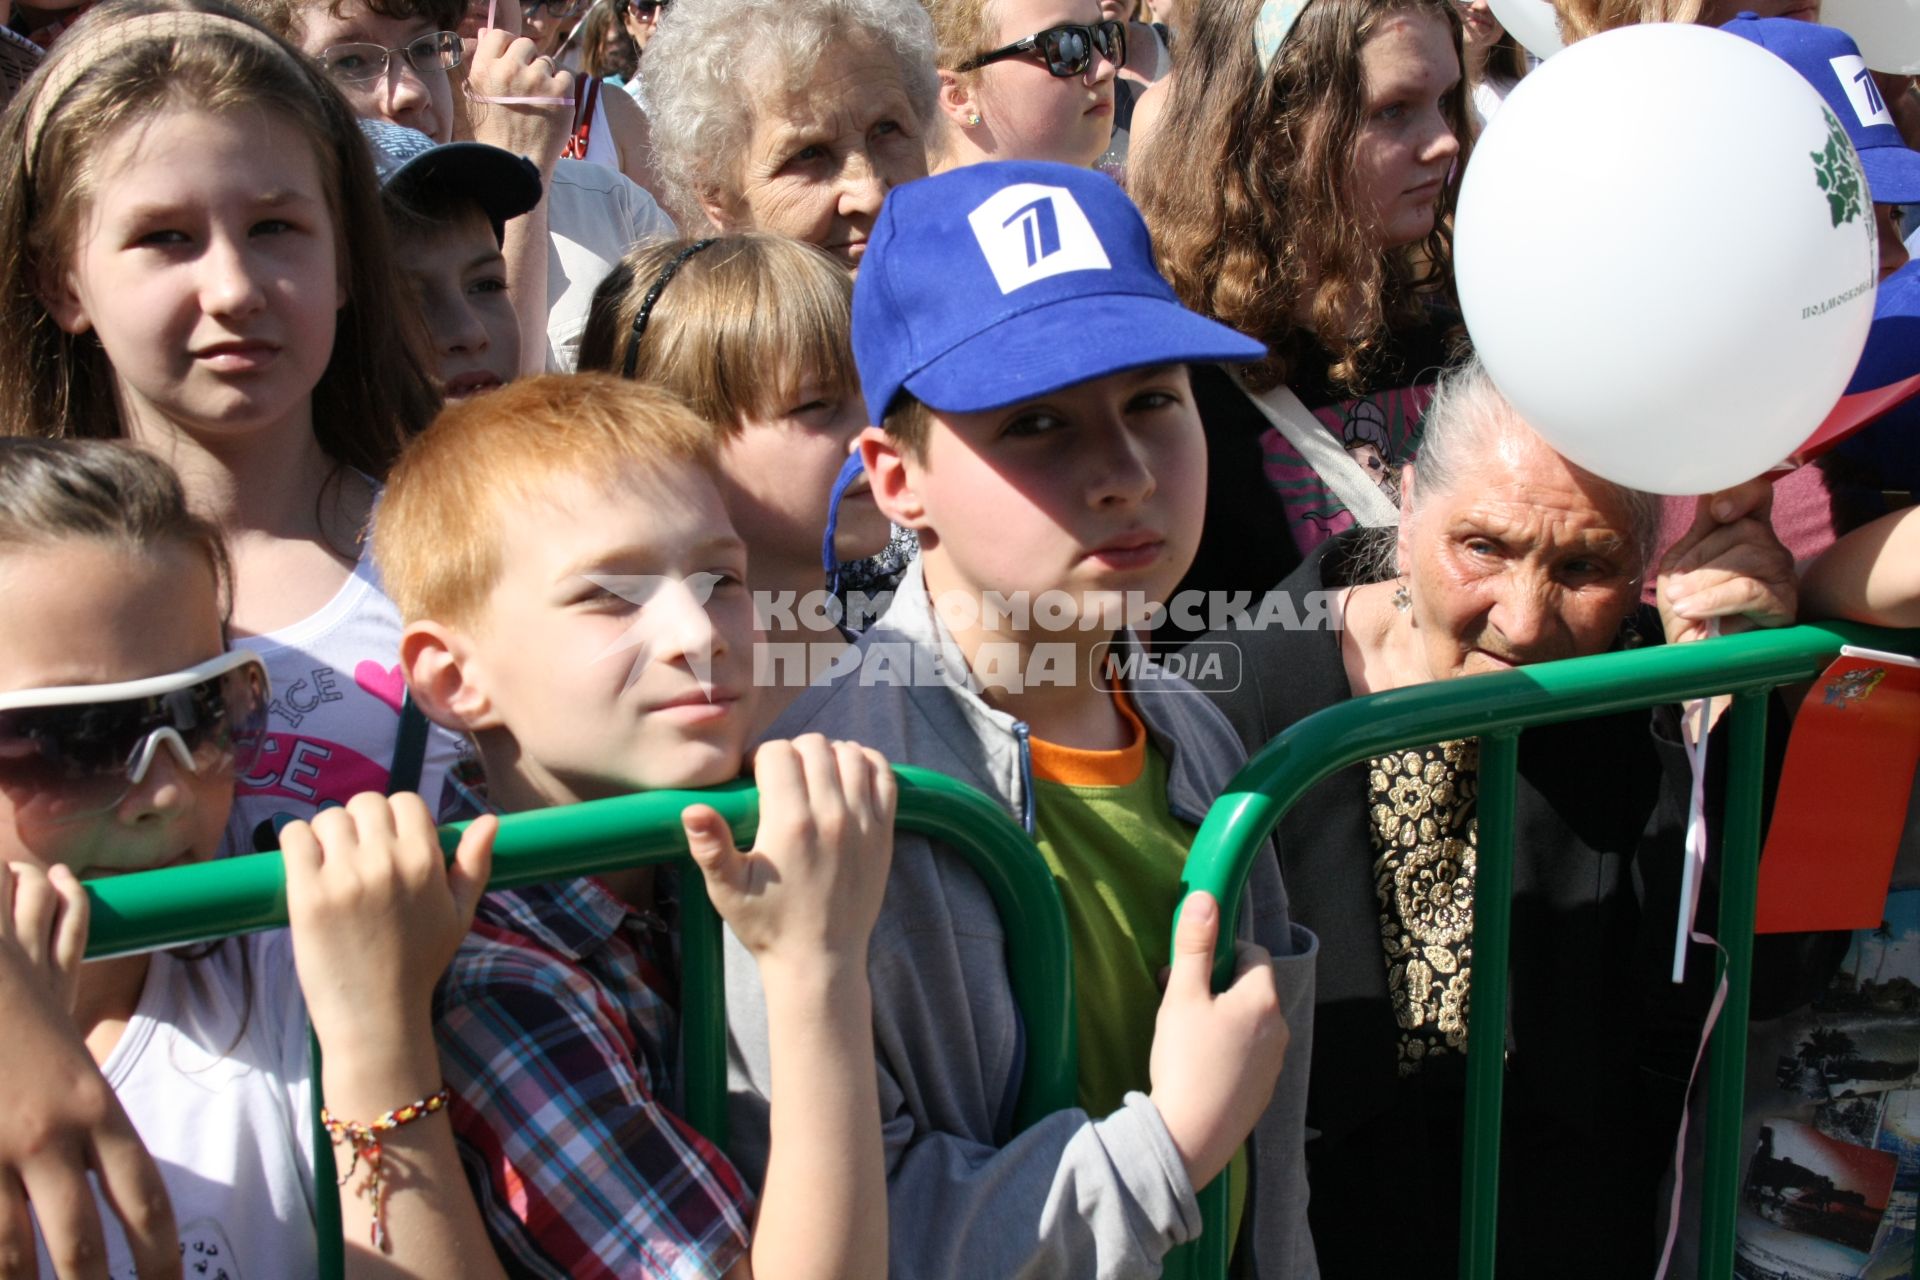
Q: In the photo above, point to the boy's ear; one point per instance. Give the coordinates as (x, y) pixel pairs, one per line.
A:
(892, 477)
(445, 678)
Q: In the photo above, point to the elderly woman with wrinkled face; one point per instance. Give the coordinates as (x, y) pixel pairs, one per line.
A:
(1506, 555)
(791, 116)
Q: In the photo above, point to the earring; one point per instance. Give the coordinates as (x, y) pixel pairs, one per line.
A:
(973, 120)
(1402, 598)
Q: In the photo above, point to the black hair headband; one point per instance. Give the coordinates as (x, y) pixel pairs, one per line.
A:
(632, 361)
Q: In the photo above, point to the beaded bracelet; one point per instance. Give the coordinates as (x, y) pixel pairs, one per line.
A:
(364, 1139)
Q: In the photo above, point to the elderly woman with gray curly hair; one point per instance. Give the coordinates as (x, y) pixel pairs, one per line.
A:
(1506, 554)
(791, 116)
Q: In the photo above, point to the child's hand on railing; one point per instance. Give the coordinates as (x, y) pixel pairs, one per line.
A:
(810, 889)
(377, 914)
(43, 925)
(1216, 1058)
(60, 1121)
(804, 901)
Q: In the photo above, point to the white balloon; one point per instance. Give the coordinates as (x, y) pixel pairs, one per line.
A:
(1534, 23)
(1666, 255)
(1887, 31)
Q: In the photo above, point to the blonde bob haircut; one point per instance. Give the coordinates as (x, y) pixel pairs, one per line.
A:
(735, 332)
(436, 535)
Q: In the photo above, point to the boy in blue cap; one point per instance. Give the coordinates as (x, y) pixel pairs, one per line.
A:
(1829, 60)
(1029, 365)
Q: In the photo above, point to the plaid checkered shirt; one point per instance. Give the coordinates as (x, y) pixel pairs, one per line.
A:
(556, 1039)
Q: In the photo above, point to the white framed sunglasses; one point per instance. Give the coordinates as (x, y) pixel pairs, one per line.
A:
(75, 751)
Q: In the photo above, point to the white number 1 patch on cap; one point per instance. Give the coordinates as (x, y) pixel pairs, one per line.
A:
(1029, 232)
(1862, 92)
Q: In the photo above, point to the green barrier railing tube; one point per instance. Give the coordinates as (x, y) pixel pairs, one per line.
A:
(1495, 708)
(182, 905)
(1727, 1070)
(1487, 1021)
(175, 907)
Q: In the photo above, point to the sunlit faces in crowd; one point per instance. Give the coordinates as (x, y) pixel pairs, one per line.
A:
(1023, 110)
(459, 276)
(1480, 29)
(1096, 488)
(415, 90)
(776, 472)
(164, 617)
(617, 640)
(209, 272)
(642, 19)
(1524, 558)
(821, 157)
(1406, 148)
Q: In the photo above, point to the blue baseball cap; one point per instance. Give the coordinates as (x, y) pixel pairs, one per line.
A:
(504, 185)
(1892, 353)
(995, 283)
(1829, 60)
(1890, 445)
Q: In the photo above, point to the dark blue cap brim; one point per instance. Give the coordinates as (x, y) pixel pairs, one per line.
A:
(1074, 340)
(502, 184)
(1893, 174)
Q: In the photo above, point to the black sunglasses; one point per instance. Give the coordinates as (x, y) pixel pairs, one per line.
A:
(1067, 49)
(644, 9)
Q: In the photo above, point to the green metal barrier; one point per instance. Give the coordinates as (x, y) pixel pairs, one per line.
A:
(184, 905)
(1495, 708)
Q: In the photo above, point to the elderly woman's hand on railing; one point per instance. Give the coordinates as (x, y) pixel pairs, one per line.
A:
(1729, 569)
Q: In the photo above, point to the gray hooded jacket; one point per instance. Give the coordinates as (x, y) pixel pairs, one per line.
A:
(1074, 1195)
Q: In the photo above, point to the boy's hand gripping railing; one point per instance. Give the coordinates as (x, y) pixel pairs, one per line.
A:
(1495, 708)
(176, 907)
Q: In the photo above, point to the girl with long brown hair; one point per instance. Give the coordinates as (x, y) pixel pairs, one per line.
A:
(1299, 188)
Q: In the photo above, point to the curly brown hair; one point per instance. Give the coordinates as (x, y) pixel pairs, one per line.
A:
(1245, 187)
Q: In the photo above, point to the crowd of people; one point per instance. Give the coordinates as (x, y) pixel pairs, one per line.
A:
(426, 413)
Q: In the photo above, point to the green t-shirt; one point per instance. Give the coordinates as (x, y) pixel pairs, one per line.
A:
(1116, 853)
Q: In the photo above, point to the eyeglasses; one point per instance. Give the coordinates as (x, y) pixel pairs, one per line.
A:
(1067, 49)
(77, 751)
(556, 9)
(354, 63)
